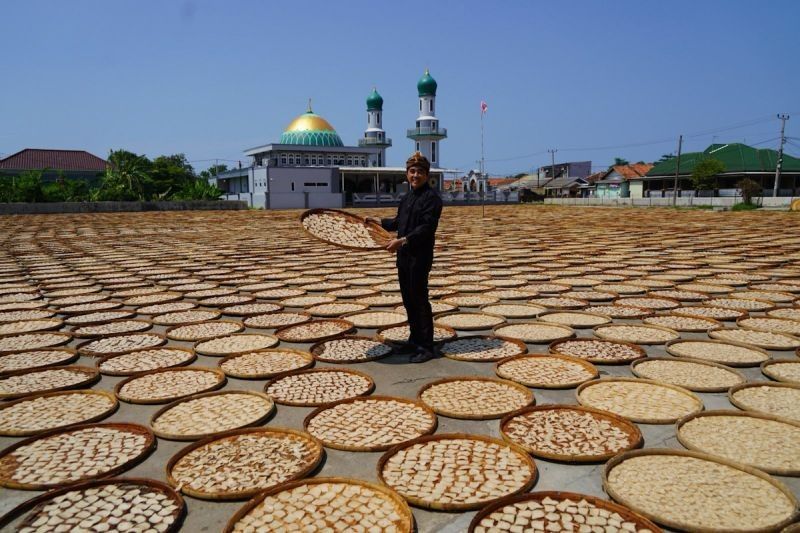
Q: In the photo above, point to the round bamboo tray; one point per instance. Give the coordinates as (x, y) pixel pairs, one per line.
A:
(637, 352)
(15, 514)
(789, 326)
(386, 319)
(381, 350)
(91, 376)
(84, 331)
(771, 374)
(376, 233)
(276, 320)
(676, 524)
(85, 348)
(603, 332)
(175, 332)
(220, 376)
(229, 360)
(700, 324)
(187, 359)
(469, 321)
(10, 362)
(50, 339)
(451, 507)
(179, 436)
(789, 342)
(260, 341)
(26, 433)
(629, 428)
(373, 448)
(557, 332)
(492, 343)
(285, 333)
(479, 402)
(99, 318)
(720, 314)
(577, 321)
(31, 326)
(627, 515)
(406, 519)
(591, 371)
(312, 463)
(366, 392)
(748, 441)
(513, 310)
(763, 354)
(769, 384)
(446, 333)
(186, 318)
(147, 448)
(686, 360)
(642, 419)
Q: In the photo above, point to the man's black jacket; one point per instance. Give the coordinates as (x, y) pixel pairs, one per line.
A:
(417, 219)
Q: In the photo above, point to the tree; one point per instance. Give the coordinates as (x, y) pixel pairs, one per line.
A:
(199, 189)
(618, 161)
(171, 173)
(27, 187)
(212, 171)
(704, 175)
(127, 177)
(665, 157)
(748, 188)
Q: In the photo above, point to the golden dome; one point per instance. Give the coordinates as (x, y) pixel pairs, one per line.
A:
(309, 122)
(310, 129)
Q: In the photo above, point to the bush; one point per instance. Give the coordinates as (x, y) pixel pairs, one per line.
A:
(748, 188)
(198, 190)
(704, 176)
(743, 207)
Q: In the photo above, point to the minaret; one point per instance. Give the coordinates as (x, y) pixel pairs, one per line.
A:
(427, 133)
(374, 135)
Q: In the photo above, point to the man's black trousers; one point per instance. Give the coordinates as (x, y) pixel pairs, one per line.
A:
(413, 275)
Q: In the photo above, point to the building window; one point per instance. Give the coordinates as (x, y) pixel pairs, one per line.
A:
(350, 161)
(420, 105)
(417, 147)
(380, 163)
(291, 159)
(283, 159)
(430, 106)
(292, 186)
(306, 160)
(433, 152)
(378, 119)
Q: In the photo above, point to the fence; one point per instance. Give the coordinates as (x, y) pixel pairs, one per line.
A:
(691, 201)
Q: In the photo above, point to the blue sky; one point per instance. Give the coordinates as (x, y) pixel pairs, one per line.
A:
(594, 79)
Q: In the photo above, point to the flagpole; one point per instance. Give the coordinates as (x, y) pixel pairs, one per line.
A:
(483, 171)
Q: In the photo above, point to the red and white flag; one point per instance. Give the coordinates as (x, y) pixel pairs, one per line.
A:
(484, 106)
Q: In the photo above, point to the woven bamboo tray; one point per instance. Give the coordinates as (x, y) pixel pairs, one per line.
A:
(565, 332)
(56, 338)
(31, 326)
(106, 413)
(627, 515)
(380, 334)
(644, 420)
(701, 324)
(273, 320)
(234, 327)
(528, 395)
(592, 372)
(721, 388)
(401, 507)
(186, 318)
(317, 350)
(791, 327)
(69, 356)
(629, 428)
(85, 349)
(366, 392)
(452, 320)
(78, 320)
(175, 436)
(188, 359)
(790, 342)
(603, 333)
(313, 463)
(747, 439)
(92, 376)
(140, 325)
(285, 333)
(261, 341)
(451, 507)
(376, 448)
(771, 374)
(265, 375)
(221, 381)
(519, 346)
(763, 353)
(553, 348)
(577, 324)
(516, 310)
(770, 384)
(686, 526)
(16, 514)
(147, 449)
(380, 236)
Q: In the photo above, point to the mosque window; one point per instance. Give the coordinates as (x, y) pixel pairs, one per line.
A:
(420, 105)
(433, 152)
(417, 147)
(430, 104)
(292, 186)
(314, 160)
(306, 160)
(283, 159)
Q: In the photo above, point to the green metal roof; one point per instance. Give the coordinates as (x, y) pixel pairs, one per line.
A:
(426, 86)
(374, 101)
(736, 157)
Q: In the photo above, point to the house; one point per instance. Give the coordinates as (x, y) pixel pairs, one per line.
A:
(71, 164)
(741, 161)
(537, 182)
(616, 182)
(566, 187)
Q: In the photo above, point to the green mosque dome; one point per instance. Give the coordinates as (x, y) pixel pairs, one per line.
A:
(427, 85)
(374, 101)
(310, 129)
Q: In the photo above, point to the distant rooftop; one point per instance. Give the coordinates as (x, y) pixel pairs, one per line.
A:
(42, 158)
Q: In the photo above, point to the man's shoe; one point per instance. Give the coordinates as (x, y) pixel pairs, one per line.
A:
(422, 356)
(406, 348)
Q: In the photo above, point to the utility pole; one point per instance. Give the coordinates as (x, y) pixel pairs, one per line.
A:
(677, 171)
(783, 119)
(483, 170)
(552, 152)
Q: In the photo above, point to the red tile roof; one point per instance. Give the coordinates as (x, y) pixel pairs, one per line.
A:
(39, 159)
(633, 170)
(495, 182)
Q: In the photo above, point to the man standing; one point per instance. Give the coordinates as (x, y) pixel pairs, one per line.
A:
(416, 222)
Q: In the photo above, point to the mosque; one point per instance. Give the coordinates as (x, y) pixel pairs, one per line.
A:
(310, 166)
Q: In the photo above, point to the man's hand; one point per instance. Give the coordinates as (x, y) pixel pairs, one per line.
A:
(374, 220)
(395, 244)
